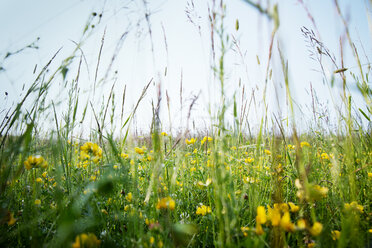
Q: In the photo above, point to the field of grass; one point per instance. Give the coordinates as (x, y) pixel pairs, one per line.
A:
(218, 187)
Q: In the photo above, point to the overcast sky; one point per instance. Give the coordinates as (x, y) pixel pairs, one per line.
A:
(180, 49)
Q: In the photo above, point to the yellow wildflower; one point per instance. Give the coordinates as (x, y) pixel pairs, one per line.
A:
(86, 240)
(90, 149)
(304, 143)
(324, 156)
(39, 180)
(294, 208)
(152, 240)
(37, 202)
(124, 155)
(35, 162)
(166, 203)
(11, 219)
(290, 147)
(191, 141)
(206, 184)
(245, 230)
(353, 206)
(316, 229)
(139, 150)
(129, 197)
(249, 160)
(160, 244)
(171, 204)
(164, 134)
(261, 215)
(301, 224)
(336, 234)
(286, 223)
(273, 215)
(267, 152)
(203, 210)
(259, 230)
(206, 139)
(311, 245)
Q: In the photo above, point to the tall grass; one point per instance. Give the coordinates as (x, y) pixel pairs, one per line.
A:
(225, 186)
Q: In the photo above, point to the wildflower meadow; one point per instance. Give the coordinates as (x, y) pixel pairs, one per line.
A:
(90, 179)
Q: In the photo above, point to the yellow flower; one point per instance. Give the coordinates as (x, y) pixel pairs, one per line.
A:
(35, 162)
(164, 134)
(191, 141)
(203, 210)
(261, 215)
(124, 155)
(206, 138)
(273, 215)
(152, 240)
(353, 206)
(304, 143)
(290, 147)
(86, 240)
(286, 223)
(37, 202)
(249, 160)
(259, 230)
(160, 244)
(166, 203)
(11, 219)
(301, 224)
(316, 229)
(39, 180)
(206, 184)
(370, 175)
(139, 150)
(129, 197)
(324, 156)
(318, 192)
(89, 150)
(335, 234)
(267, 152)
(245, 230)
(171, 204)
(311, 245)
(294, 208)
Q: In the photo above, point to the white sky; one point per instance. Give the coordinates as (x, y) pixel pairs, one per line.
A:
(59, 22)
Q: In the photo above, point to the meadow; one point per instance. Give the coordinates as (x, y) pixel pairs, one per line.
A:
(218, 187)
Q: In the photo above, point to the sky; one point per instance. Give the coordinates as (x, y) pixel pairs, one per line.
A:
(178, 46)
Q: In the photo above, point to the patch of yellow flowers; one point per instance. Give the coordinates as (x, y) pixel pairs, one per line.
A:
(35, 162)
(86, 240)
(279, 216)
(203, 210)
(166, 203)
(91, 151)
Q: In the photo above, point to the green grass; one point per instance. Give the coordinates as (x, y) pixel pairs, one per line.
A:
(270, 189)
